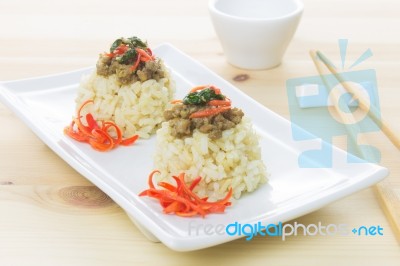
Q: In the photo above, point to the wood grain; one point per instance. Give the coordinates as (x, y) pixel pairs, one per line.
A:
(39, 225)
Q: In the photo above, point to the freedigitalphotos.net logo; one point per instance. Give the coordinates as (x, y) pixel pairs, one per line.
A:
(311, 101)
(281, 230)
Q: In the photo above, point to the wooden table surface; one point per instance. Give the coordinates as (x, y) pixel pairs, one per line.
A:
(41, 226)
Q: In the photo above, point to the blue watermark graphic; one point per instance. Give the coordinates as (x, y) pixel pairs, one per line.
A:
(283, 231)
(312, 114)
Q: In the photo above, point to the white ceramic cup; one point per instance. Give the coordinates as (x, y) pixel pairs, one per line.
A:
(255, 33)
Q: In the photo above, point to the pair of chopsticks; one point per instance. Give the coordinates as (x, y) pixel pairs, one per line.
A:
(387, 197)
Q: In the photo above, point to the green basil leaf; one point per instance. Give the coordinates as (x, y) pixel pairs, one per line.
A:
(135, 42)
(115, 44)
(128, 57)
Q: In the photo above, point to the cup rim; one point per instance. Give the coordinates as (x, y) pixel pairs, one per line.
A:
(299, 9)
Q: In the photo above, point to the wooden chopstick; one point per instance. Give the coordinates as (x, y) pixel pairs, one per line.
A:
(347, 120)
(386, 195)
(370, 109)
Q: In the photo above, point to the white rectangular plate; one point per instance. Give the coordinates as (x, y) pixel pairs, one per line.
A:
(46, 105)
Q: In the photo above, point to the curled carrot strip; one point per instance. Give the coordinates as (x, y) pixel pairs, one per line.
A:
(136, 64)
(226, 102)
(209, 112)
(101, 141)
(98, 137)
(129, 141)
(144, 54)
(75, 135)
(150, 181)
(194, 183)
(181, 200)
(108, 125)
(118, 51)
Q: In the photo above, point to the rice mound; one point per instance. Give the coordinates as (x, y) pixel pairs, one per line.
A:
(234, 160)
(137, 108)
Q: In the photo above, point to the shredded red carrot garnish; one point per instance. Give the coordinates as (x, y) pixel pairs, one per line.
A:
(136, 64)
(97, 136)
(181, 200)
(209, 112)
(225, 102)
(118, 51)
(145, 56)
